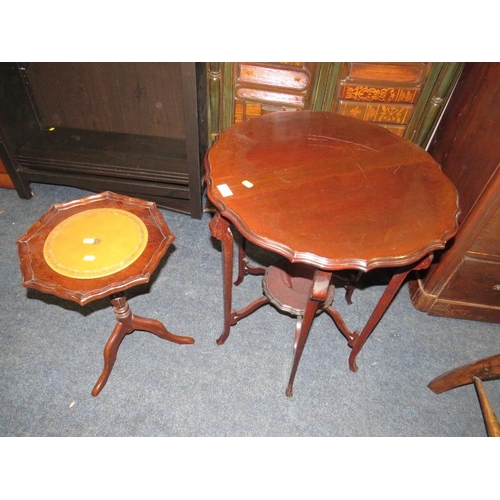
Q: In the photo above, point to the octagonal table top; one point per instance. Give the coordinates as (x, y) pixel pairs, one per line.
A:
(89, 248)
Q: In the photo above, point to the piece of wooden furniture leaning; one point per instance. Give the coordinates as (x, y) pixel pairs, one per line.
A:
(328, 193)
(474, 373)
(98, 246)
(465, 281)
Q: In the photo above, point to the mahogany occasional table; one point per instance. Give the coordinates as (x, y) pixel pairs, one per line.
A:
(96, 247)
(328, 193)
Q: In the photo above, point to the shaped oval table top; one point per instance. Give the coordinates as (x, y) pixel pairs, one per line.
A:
(331, 191)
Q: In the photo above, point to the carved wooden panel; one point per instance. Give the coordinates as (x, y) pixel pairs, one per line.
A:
(384, 93)
(264, 88)
(407, 98)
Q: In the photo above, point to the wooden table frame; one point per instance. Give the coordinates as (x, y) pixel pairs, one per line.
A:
(276, 153)
(37, 274)
(221, 229)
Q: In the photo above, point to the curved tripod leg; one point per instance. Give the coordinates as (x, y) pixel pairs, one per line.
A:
(126, 324)
(110, 352)
(156, 327)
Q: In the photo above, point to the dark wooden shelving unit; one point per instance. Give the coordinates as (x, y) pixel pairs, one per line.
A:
(133, 128)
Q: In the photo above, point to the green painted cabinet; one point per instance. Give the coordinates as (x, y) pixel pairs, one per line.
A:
(406, 98)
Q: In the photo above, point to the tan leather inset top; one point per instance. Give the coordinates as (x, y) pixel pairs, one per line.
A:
(95, 243)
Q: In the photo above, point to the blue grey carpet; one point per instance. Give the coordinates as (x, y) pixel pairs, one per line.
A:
(51, 356)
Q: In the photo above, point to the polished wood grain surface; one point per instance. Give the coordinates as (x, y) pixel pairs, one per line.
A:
(327, 192)
(331, 191)
(39, 275)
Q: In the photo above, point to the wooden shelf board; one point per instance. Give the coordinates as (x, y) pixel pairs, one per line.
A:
(105, 153)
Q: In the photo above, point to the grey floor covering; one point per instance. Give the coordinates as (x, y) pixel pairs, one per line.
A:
(51, 356)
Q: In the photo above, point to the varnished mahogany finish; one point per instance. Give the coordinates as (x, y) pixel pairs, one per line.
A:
(37, 274)
(332, 192)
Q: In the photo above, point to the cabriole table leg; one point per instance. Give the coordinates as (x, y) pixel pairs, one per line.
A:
(317, 296)
(219, 227)
(381, 307)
